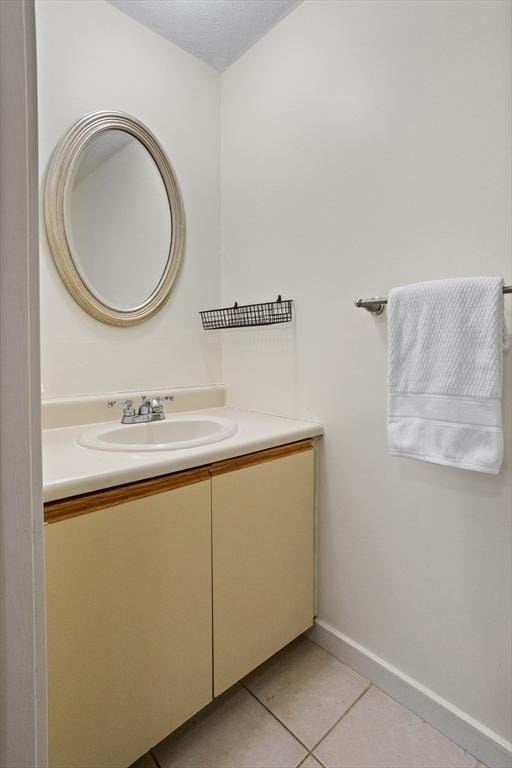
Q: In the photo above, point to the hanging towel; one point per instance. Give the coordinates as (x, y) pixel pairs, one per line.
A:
(446, 342)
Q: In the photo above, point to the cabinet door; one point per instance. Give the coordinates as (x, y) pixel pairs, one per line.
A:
(263, 552)
(129, 626)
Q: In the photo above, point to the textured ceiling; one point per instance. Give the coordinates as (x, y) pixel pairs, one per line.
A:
(216, 31)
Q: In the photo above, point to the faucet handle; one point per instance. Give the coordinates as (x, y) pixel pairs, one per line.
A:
(156, 405)
(128, 409)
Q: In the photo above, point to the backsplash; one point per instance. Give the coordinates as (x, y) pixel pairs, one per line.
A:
(91, 409)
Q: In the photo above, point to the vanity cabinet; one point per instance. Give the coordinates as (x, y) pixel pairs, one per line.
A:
(262, 535)
(163, 593)
(129, 621)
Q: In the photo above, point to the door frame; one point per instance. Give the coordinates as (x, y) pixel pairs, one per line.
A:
(23, 696)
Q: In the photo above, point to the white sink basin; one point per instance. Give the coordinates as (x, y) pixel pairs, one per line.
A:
(172, 433)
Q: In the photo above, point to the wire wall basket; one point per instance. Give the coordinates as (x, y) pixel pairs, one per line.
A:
(246, 315)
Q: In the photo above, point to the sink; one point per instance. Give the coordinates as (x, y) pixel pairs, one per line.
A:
(171, 434)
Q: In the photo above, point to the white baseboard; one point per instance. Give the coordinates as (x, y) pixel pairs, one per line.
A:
(468, 733)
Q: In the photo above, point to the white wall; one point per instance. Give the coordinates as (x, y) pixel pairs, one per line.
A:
(367, 145)
(91, 57)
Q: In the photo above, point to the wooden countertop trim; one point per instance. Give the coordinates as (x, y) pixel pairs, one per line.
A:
(240, 462)
(73, 506)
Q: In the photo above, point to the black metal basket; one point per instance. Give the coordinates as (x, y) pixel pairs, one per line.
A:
(246, 315)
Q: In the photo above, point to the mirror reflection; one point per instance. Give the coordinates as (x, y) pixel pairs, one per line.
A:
(118, 220)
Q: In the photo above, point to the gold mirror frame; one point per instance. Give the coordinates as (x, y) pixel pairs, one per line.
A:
(59, 175)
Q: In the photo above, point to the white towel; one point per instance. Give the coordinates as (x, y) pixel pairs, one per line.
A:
(446, 341)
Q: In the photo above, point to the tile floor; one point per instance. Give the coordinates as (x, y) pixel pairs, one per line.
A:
(305, 708)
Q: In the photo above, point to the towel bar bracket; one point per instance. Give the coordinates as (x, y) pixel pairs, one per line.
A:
(375, 306)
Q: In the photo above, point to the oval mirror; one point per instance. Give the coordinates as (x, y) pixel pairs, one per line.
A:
(114, 218)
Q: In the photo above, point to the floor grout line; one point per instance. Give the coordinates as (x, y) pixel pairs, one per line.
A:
(309, 749)
(426, 722)
(276, 718)
(341, 718)
(317, 759)
(310, 754)
(478, 762)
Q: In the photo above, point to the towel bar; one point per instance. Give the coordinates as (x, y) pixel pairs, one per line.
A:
(377, 303)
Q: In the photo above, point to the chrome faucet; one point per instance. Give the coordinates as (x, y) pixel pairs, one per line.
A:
(148, 410)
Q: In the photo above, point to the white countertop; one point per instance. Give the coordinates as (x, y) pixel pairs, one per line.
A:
(69, 469)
